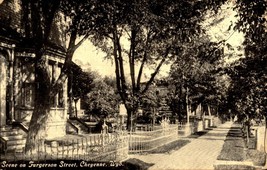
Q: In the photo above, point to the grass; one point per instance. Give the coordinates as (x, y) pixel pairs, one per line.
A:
(175, 145)
(234, 167)
(198, 134)
(234, 149)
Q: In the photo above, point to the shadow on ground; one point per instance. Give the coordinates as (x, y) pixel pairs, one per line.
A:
(135, 164)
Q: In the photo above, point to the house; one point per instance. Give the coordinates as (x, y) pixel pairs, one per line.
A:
(17, 76)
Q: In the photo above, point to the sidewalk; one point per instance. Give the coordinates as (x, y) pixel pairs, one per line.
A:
(200, 153)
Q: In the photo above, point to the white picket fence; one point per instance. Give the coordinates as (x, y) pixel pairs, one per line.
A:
(142, 141)
(98, 147)
(105, 147)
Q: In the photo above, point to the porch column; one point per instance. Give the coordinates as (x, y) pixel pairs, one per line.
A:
(65, 98)
(55, 77)
(11, 85)
(3, 73)
(16, 83)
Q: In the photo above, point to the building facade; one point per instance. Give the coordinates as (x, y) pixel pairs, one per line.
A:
(17, 76)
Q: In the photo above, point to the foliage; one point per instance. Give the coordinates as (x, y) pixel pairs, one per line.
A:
(154, 32)
(80, 83)
(102, 100)
(40, 18)
(196, 73)
(248, 89)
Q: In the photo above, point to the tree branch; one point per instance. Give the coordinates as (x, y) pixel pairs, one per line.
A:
(81, 41)
(120, 59)
(143, 62)
(153, 75)
(131, 59)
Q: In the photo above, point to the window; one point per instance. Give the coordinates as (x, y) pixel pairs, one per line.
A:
(55, 69)
(27, 94)
(27, 82)
(60, 98)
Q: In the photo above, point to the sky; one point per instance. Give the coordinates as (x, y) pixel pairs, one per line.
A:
(87, 53)
(223, 30)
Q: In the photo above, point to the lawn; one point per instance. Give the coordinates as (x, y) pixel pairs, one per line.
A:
(175, 145)
(233, 148)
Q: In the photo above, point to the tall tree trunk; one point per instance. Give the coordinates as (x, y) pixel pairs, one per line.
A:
(37, 128)
(265, 137)
(131, 118)
(40, 115)
(265, 141)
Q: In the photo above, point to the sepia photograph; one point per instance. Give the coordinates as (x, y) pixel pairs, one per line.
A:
(133, 84)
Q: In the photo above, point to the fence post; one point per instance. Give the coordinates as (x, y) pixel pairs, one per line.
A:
(45, 151)
(67, 149)
(57, 150)
(256, 138)
(38, 149)
(78, 149)
(63, 143)
(72, 144)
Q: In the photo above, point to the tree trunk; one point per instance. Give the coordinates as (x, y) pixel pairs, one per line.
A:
(131, 120)
(75, 107)
(40, 115)
(265, 142)
(37, 129)
(265, 138)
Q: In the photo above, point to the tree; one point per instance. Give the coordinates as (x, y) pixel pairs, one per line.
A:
(250, 96)
(41, 16)
(154, 32)
(39, 19)
(194, 76)
(102, 100)
(79, 85)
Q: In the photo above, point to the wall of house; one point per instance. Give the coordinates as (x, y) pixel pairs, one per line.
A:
(13, 30)
(25, 92)
(3, 68)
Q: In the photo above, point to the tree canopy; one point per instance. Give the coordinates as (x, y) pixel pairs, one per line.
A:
(146, 33)
(249, 74)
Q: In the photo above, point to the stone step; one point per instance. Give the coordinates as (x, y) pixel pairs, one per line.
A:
(16, 148)
(5, 128)
(82, 129)
(9, 133)
(13, 137)
(16, 142)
